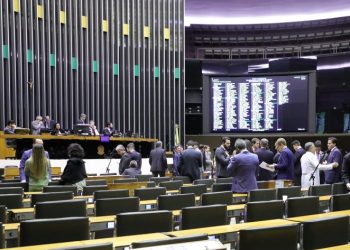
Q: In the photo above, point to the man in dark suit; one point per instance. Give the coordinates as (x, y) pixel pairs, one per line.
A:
(242, 168)
(132, 171)
(158, 161)
(298, 153)
(134, 155)
(108, 130)
(321, 157)
(333, 176)
(264, 155)
(190, 162)
(48, 123)
(82, 119)
(222, 158)
(125, 160)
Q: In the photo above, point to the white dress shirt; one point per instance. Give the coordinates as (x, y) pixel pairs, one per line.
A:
(309, 162)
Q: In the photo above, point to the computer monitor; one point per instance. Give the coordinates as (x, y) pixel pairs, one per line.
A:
(45, 131)
(82, 129)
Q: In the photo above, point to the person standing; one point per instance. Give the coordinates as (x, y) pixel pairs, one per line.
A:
(333, 176)
(176, 159)
(37, 125)
(321, 156)
(191, 162)
(108, 130)
(222, 158)
(82, 119)
(309, 163)
(285, 165)
(264, 155)
(37, 168)
(346, 171)
(158, 161)
(208, 164)
(134, 155)
(255, 144)
(242, 168)
(125, 159)
(298, 153)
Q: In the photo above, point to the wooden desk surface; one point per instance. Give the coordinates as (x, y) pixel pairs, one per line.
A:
(230, 228)
(117, 242)
(341, 247)
(319, 216)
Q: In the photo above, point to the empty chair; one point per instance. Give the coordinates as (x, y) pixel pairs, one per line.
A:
(184, 179)
(299, 206)
(197, 190)
(325, 232)
(106, 174)
(320, 190)
(339, 188)
(171, 185)
(157, 180)
(219, 187)
(151, 184)
(113, 206)
(340, 202)
(45, 231)
(11, 190)
(49, 189)
(23, 185)
(208, 182)
(95, 182)
(143, 177)
(89, 190)
(54, 196)
(289, 192)
(103, 194)
(149, 193)
(144, 222)
(216, 198)
(176, 202)
(269, 238)
(11, 201)
(204, 216)
(126, 180)
(264, 210)
(3, 211)
(60, 209)
(224, 180)
(262, 195)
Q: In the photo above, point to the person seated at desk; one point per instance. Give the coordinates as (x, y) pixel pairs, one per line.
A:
(82, 119)
(10, 129)
(37, 125)
(132, 170)
(93, 129)
(108, 130)
(74, 173)
(37, 167)
(57, 130)
(48, 123)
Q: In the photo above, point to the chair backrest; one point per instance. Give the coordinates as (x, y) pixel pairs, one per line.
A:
(325, 232)
(171, 185)
(176, 202)
(100, 246)
(289, 192)
(217, 198)
(11, 190)
(299, 206)
(50, 189)
(91, 174)
(106, 174)
(151, 184)
(54, 196)
(203, 216)
(126, 180)
(149, 193)
(184, 179)
(272, 238)
(3, 212)
(219, 187)
(143, 177)
(157, 180)
(54, 183)
(264, 210)
(224, 180)
(197, 190)
(23, 185)
(103, 194)
(340, 202)
(208, 182)
(339, 188)
(320, 190)
(2, 236)
(95, 182)
(11, 201)
(60, 209)
(144, 222)
(45, 231)
(168, 241)
(89, 190)
(113, 206)
(262, 184)
(262, 195)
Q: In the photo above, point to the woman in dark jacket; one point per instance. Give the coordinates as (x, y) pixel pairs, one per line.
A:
(74, 173)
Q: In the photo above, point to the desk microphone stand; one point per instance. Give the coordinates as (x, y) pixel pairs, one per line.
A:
(313, 173)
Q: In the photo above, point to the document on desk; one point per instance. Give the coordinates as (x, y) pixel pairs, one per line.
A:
(264, 166)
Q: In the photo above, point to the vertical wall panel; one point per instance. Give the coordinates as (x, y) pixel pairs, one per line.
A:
(47, 65)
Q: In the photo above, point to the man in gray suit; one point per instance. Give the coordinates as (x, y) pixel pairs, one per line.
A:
(222, 158)
(37, 125)
(191, 162)
(158, 161)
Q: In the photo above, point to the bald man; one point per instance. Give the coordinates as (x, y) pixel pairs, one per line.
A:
(25, 156)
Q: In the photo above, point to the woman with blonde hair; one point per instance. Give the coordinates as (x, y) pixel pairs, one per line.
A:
(37, 168)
